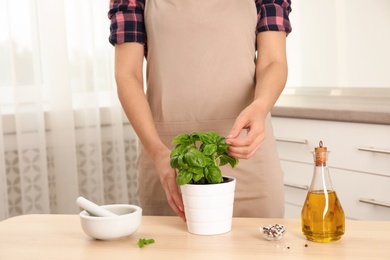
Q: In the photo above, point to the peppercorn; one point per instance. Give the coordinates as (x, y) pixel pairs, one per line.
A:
(273, 232)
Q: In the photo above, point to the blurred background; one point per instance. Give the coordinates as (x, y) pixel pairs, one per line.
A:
(62, 129)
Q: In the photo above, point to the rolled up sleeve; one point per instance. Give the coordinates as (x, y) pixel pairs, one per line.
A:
(127, 21)
(273, 15)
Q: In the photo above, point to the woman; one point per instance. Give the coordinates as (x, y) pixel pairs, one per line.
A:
(203, 75)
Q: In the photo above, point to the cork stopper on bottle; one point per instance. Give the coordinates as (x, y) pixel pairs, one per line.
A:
(320, 155)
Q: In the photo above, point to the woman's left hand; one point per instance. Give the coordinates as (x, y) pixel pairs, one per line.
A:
(251, 119)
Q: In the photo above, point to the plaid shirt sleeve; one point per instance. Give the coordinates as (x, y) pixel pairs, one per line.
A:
(127, 21)
(272, 15)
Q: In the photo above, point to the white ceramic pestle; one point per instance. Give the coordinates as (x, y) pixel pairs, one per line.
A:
(94, 209)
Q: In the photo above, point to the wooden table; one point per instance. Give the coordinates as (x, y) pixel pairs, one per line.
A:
(61, 237)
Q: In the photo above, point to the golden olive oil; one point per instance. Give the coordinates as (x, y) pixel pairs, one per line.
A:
(322, 216)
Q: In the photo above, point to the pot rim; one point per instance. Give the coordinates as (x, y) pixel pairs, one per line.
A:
(229, 179)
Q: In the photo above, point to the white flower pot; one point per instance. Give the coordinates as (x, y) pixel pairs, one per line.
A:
(209, 207)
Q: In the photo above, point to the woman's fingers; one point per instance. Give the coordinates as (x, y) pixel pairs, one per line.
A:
(175, 201)
(173, 195)
(245, 148)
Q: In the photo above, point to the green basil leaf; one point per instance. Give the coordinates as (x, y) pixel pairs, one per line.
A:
(197, 177)
(206, 139)
(209, 149)
(223, 148)
(183, 139)
(221, 140)
(143, 241)
(210, 138)
(178, 150)
(196, 136)
(214, 175)
(225, 159)
(183, 177)
(195, 170)
(180, 161)
(174, 162)
(233, 163)
(177, 157)
(208, 161)
(195, 158)
(187, 148)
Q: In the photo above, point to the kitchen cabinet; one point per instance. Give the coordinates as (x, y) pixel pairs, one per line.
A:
(359, 164)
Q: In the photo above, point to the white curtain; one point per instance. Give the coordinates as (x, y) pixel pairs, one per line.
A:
(62, 130)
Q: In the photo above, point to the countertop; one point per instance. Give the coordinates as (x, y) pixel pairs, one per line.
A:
(61, 237)
(359, 105)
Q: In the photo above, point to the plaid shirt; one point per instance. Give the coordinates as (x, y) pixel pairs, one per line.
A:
(127, 19)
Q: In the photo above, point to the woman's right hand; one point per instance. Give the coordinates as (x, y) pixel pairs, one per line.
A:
(167, 177)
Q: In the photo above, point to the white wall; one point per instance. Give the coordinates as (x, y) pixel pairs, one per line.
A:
(339, 43)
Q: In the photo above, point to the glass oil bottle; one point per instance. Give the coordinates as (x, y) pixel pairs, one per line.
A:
(322, 216)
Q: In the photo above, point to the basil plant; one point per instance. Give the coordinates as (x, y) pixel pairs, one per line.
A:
(198, 157)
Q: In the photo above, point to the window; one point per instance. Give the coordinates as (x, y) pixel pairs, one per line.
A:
(83, 58)
(339, 44)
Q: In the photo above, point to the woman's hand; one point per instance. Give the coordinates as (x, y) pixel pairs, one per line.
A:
(167, 177)
(251, 119)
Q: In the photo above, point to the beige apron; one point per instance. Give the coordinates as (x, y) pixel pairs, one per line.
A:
(200, 76)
